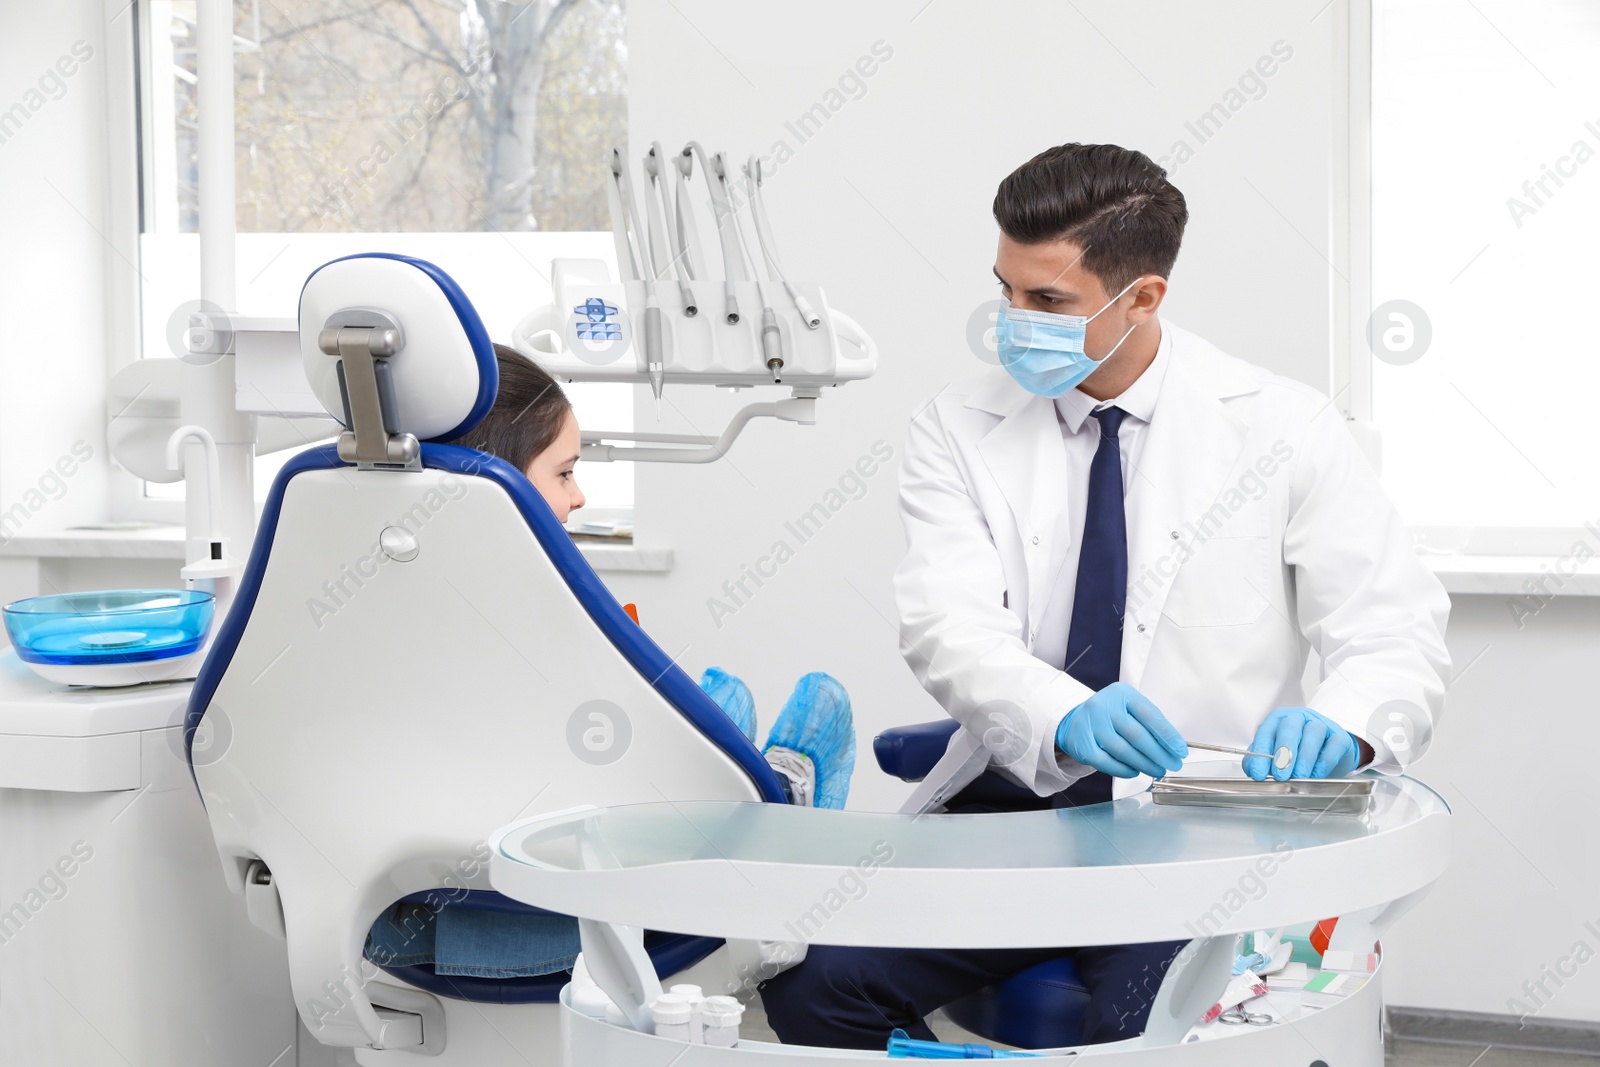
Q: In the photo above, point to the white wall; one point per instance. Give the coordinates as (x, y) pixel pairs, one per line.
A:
(1514, 757)
(53, 276)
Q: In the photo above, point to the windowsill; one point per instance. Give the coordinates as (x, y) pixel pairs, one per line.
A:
(1516, 575)
(604, 557)
(141, 541)
(1461, 574)
(166, 542)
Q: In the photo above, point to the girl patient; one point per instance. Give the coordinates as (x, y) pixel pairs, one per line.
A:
(811, 745)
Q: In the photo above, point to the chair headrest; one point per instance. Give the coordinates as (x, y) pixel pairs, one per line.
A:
(444, 375)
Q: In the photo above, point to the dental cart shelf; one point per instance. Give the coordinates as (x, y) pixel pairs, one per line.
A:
(1124, 872)
(750, 870)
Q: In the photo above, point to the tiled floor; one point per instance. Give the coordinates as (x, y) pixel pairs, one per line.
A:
(1402, 1054)
(1416, 1054)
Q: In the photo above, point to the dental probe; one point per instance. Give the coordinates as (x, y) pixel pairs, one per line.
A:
(1281, 760)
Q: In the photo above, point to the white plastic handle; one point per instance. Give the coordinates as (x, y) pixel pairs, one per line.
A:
(850, 330)
(551, 824)
(539, 326)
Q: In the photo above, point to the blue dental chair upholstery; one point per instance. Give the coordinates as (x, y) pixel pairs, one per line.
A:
(1041, 1007)
(413, 646)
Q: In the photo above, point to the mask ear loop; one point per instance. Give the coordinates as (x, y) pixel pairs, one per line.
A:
(1125, 336)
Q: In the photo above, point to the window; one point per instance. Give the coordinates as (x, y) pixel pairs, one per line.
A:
(471, 133)
(1485, 204)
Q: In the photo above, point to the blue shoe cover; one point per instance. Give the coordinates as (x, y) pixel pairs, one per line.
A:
(733, 697)
(816, 722)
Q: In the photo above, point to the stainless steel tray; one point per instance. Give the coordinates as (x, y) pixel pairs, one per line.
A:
(1340, 796)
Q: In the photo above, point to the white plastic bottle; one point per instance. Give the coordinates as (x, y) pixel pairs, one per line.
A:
(585, 994)
(722, 1015)
(589, 1000)
(671, 1013)
(697, 1002)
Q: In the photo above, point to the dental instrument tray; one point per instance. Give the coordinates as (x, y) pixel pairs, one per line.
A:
(1340, 796)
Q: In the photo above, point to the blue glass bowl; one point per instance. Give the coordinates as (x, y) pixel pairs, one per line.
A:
(113, 626)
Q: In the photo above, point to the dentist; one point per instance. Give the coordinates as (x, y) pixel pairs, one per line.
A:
(1121, 538)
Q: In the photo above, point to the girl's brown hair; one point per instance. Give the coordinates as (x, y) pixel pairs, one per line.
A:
(528, 412)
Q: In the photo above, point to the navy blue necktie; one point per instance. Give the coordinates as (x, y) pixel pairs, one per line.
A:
(1094, 644)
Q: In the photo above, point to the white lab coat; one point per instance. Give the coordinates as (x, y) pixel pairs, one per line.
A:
(1257, 533)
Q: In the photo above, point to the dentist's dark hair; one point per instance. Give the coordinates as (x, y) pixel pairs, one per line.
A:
(527, 415)
(1114, 203)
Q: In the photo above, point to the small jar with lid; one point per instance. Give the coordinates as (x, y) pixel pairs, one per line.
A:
(721, 1017)
(671, 1013)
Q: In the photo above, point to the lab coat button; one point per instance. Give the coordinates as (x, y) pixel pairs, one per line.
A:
(1036, 539)
(1141, 627)
(1174, 535)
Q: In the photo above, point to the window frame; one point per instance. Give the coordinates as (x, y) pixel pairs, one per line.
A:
(1350, 216)
(128, 145)
(132, 142)
(1352, 363)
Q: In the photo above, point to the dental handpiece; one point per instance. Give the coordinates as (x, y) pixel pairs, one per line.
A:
(672, 254)
(771, 336)
(772, 344)
(722, 209)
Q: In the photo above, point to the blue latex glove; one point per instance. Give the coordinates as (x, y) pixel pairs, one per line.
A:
(1119, 731)
(1320, 747)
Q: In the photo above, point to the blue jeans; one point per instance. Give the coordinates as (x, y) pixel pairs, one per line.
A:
(474, 942)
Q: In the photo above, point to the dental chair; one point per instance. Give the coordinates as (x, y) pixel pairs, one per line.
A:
(416, 656)
(1041, 1007)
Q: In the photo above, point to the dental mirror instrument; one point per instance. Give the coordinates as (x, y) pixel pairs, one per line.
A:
(1280, 760)
(758, 215)
(771, 337)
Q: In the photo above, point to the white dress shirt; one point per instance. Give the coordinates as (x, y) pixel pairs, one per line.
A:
(1080, 436)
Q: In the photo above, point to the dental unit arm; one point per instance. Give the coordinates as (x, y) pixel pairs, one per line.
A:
(647, 327)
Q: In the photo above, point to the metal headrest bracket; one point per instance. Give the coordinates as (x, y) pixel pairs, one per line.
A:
(365, 340)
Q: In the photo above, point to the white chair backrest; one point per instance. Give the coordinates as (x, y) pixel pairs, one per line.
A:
(416, 658)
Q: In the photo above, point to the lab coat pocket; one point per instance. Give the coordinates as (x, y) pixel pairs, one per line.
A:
(1222, 583)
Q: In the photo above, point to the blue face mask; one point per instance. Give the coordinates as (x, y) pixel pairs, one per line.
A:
(1043, 351)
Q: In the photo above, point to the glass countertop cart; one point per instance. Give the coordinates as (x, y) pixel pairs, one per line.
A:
(1123, 872)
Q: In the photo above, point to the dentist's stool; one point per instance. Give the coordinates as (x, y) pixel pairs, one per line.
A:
(1041, 1007)
(417, 654)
